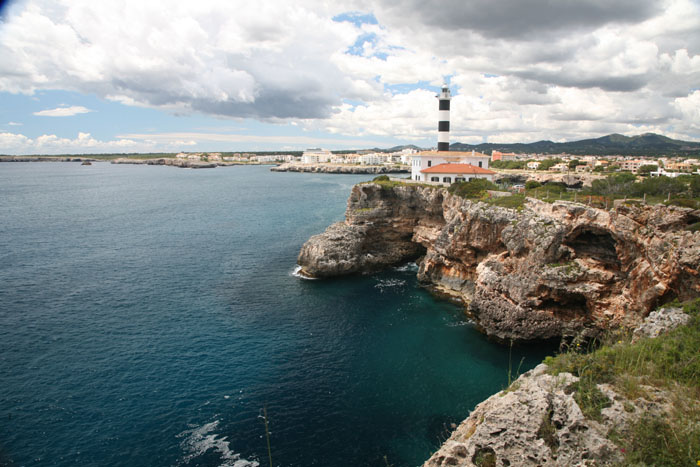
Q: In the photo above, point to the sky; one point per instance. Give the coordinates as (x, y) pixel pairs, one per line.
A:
(86, 76)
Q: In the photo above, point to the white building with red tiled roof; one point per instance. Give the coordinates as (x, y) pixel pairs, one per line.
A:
(450, 173)
(428, 159)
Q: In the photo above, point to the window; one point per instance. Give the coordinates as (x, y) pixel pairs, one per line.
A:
(430, 163)
(447, 179)
(459, 179)
(479, 163)
(434, 179)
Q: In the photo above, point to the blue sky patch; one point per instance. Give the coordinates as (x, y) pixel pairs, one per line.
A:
(357, 18)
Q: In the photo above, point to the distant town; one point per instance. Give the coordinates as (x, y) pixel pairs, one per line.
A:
(670, 166)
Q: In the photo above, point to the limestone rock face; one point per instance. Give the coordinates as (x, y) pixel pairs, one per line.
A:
(535, 423)
(661, 321)
(377, 232)
(544, 271)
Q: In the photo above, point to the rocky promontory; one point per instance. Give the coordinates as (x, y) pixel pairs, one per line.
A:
(46, 159)
(538, 272)
(338, 168)
(183, 163)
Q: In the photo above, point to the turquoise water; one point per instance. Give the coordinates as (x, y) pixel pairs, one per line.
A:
(149, 314)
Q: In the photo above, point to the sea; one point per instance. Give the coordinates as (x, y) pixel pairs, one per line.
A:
(152, 316)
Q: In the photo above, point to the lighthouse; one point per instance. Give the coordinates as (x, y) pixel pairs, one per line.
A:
(444, 167)
(444, 120)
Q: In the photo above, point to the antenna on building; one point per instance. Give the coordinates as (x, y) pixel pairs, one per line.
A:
(444, 119)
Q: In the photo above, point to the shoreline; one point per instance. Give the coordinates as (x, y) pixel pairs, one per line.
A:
(340, 169)
(168, 161)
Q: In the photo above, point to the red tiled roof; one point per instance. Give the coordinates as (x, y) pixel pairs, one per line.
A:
(457, 169)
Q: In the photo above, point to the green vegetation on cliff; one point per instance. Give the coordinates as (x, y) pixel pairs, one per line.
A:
(668, 364)
(478, 188)
(680, 191)
(472, 189)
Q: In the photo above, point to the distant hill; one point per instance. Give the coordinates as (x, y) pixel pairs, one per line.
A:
(648, 144)
(400, 148)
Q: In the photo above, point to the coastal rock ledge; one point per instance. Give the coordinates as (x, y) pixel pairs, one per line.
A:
(541, 272)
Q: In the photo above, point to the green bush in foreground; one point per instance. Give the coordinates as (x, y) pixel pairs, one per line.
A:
(511, 202)
(472, 189)
(670, 362)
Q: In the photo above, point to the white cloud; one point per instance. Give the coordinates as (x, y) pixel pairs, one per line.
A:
(518, 72)
(175, 138)
(14, 124)
(219, 58)
(15, 143)
(63, 111)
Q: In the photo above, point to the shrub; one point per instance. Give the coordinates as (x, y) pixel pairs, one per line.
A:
(684, 202)
(555, 187)
(548, 163)
(512, 202)
(381, 178)
(475, 188)
(647, 168)
(532, 184)
(668, 362)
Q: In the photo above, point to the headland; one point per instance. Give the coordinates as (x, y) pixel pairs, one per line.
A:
(530, 270)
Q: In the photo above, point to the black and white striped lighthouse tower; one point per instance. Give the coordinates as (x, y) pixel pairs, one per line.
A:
(444, 120)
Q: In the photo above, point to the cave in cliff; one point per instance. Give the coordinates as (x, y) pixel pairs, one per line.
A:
(594, 244)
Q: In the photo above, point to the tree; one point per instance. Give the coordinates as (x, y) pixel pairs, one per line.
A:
(532, 184)
(646, 169)
(547, 163)
(695, 185)
(613, 184)
(574, 163)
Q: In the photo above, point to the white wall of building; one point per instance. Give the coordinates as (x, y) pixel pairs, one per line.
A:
(422, 161)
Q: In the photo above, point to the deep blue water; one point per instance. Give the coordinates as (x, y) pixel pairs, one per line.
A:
(149, 314)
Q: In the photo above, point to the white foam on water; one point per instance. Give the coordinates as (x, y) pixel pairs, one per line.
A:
(460, 323)
(387, 283)
(297, 273)
(407, 267)
(199, 440)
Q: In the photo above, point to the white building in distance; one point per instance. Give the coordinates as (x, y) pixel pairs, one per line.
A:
(315, 156)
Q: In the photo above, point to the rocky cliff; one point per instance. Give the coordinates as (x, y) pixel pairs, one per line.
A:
(538, 420)
(540, 272)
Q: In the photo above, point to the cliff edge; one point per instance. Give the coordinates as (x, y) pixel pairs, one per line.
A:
(537, 272)
(624, 404)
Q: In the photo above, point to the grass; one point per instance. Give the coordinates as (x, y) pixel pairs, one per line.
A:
(485, 457)
(387, 184)
(516, 202)
(547, 432)
(550, 195)
(670, 362)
